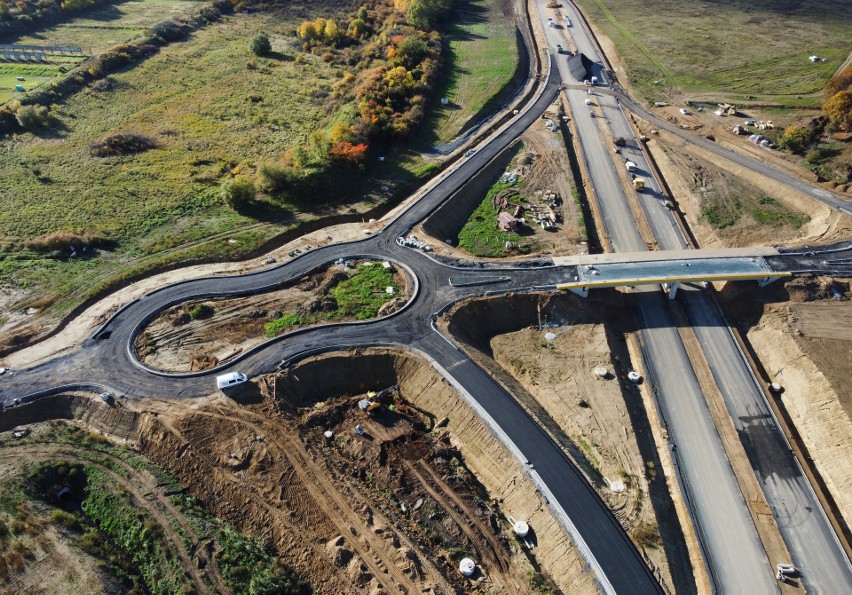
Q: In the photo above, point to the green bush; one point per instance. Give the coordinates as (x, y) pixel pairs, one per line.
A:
(239, 192)
(31, 117)
(260, 45)
(276, 178)
(201, 311)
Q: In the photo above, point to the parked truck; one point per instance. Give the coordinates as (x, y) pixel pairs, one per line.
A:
(639, 183)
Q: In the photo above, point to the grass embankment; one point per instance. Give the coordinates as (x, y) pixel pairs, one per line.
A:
(104, 520)
(482, 58)
(480, 235)
(360, 296)
(731, 49)
(96, 31)
(723, 211)
(209, 112)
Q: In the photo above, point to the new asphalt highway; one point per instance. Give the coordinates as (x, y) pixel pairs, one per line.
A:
(734, 552)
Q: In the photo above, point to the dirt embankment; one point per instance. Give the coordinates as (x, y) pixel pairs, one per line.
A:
(810, 362)
(493, 465)
(393, 510)
(545, 348)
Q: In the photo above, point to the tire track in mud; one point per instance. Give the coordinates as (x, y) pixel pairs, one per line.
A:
(324, 496)
(476, 531)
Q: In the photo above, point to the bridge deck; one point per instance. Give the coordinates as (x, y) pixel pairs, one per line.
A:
(667, 255)
(676, 270)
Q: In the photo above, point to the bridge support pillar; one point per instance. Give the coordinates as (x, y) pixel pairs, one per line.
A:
(672, 289)
(581, 291)
(766, 281)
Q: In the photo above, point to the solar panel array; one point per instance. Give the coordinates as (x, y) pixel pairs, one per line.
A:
(37, 53)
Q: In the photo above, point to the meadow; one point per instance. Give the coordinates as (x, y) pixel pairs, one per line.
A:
(733, 50)
(211, 108)
(483, 56)
(100, 28)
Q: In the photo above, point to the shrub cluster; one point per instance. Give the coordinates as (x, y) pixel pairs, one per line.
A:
(21, 15)
(399, 63)
(201, 312)
(70, 241)
(122, 144)
(836, 117)
(394, 60)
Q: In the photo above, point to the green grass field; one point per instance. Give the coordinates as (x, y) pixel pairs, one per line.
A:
(103, 27)
(483, 54)
(35, 75)
(732, 49)
(480, 235)
(209, 113)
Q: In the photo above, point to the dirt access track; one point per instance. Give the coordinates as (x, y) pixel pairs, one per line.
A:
(392, 510)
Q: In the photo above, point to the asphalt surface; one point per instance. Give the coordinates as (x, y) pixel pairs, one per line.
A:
(106, 360)
(735, 557)
(809, 537)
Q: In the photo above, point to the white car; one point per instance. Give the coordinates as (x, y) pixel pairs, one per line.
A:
(588, 102)
(684, 111)
(226, 381)
(751, 122)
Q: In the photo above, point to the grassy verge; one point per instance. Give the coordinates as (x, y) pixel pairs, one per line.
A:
(480, 235)
(725, 211)
(482, 58)
(360, 296)
(727, 48)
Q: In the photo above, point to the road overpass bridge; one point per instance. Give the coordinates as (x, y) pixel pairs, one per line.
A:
(669, 268)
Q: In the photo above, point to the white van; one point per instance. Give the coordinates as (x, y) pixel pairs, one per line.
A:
(231, 380)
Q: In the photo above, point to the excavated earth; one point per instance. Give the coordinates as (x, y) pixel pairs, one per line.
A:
(392, 510)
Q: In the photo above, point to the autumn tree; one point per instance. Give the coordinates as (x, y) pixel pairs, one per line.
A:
(348, 153)
(839, 82)
(797, 138)
(839, 111)
(411, 51)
